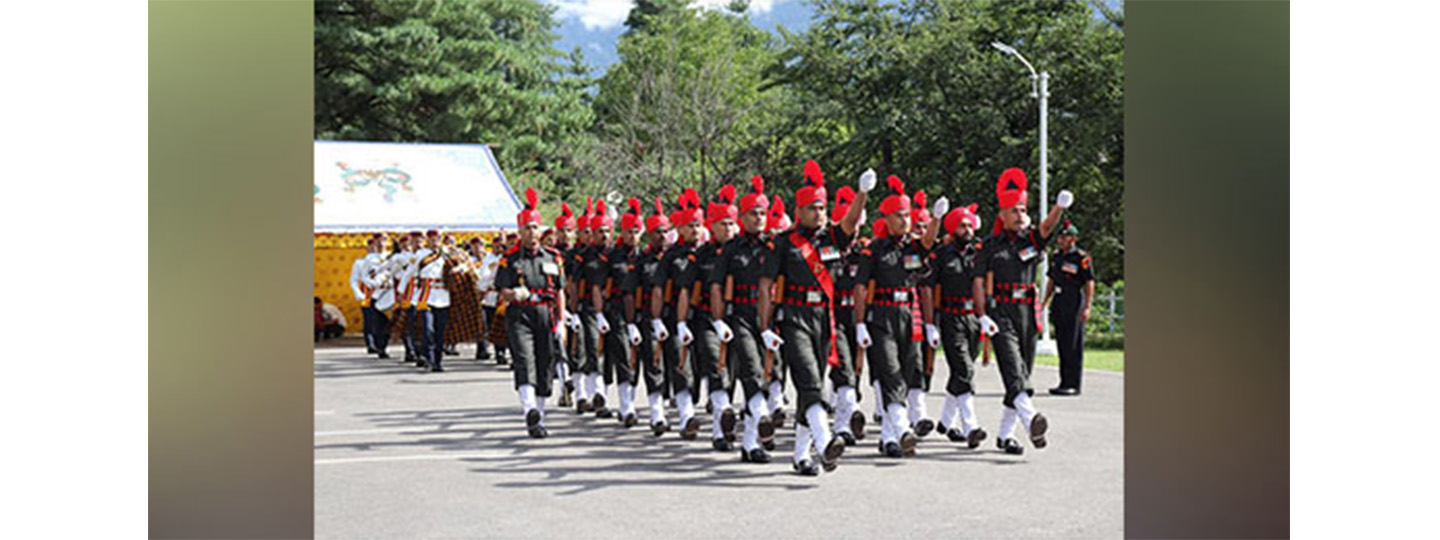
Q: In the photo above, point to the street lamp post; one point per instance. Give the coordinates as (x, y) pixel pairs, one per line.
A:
(1040, 88)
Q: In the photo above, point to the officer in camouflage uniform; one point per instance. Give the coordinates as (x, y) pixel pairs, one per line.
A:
(532, 279)
(1005, 297)
(952, 275)
(734, 291)
(801, 269)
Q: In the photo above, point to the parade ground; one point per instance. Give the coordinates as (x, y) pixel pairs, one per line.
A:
(405, 454)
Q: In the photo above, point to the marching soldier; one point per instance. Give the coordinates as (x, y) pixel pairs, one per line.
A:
(844, 379)
(885, 295)
(621, 342)
(801, 268)
(532, 279)
(734, 292)
(1005, 278)
(952, 274)
(1072, 286)
(923, 330)
(565, 225)
(694, 313)
(777, 224)
(665, 305)
(640, 296)
(578, 293)
(595, 269)
(359, 272)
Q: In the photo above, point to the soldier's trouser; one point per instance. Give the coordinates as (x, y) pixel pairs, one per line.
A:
(617, 352)
(1014, 347)
(652, 358)
(806, 331)
(1070, 339)
(960, 336)
(413, 332)
(382, 330)
(705, 351)
(745, 352)
(367, 316)
(433, 321)
(844, 375)
(681, 377)
(532, 346)
(892, 352)
(590, 336)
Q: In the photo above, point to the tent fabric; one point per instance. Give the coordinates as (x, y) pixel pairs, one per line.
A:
(377, 186)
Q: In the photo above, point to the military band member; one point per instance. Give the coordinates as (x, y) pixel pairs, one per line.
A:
(885, 294)
(382, 295)
(1072, 286)
(665, 305)
(696, 317)
(406, 286)
(801, 268)
(1006, 265)
(532, 279)
(734, 291)
(457, 259)
(639, 290)
(432, 300)
(359, 272)
(596, 272)
(622, 342)
(953, 272)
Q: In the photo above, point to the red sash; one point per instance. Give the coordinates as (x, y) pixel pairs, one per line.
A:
(827, 284)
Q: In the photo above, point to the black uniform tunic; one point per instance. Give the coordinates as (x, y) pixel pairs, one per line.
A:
(1070, 271)
(804, 313)
(587, 267)
(677, 260)
(1012, 258)
(741, 259)
(616, 264)
(847, 373)
(568, 351)
(705, 350)
(638, 286)
(530, 323)
(889, 267)
(953, 271)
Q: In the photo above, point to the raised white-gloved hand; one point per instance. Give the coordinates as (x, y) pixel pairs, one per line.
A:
(867, 180)
(521, 293)
(602, 324)
(573, 321)
(988, 326)
(862, 335)
(726, 334)
(682, 331)
(634, 332)
(772, 340)
(942, 206)
(657, 329)
(932, 335)
(1065, 199)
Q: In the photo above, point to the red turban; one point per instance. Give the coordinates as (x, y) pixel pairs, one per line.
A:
(566, 219)
(1010, 189)
(600, 218)
(689, 211)
(723, 207)
(657, 219)
(530, 213)
(812, 187)
(776, 218)
(880, 228)
(898, 200)
(921, 214)
(962, 215)
(756, 197)
(583, 222)
(844, 197)
(632, 218)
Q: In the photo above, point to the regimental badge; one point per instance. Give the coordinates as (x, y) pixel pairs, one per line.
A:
(829, 253)
(1069, 268)
(1029, 252)
(912, 262)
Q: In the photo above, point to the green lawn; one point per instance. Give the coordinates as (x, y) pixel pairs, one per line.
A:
(1108, 360)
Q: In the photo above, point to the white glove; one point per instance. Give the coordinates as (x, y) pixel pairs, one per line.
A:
(941, 207)
(682, 331)
(671, 236)
(862, 335)
(573, 321)
(988, 326)
(867, 180)
(657, 329)
(772, 340)
(634, 334)
(1065, 199)
(521, 293)
(601, 323)
(932, 335)
(724, 330)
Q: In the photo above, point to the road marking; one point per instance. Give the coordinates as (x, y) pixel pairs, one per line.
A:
(413, 457)
(409, 430)
(322, 413)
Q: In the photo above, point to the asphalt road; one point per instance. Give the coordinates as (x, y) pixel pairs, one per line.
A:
(405, 454)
